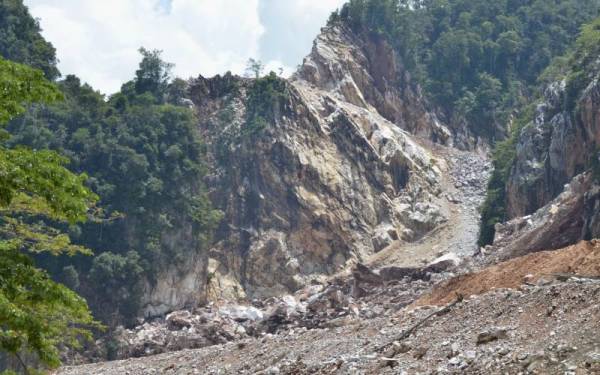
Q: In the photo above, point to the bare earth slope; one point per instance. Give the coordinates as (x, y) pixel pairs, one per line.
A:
(582, 259)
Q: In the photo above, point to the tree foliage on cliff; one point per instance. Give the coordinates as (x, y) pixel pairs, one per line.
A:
(503, 156)
(265, 97)
(477, 59)
(36, 314)
(145, 159)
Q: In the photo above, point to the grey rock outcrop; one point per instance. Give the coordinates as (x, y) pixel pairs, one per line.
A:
(550, 151)
(553, 149)
(177, 285)
(336, 176)
(569, 218)
(552, 196)
(366, 71)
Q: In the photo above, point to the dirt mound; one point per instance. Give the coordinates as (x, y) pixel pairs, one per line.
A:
(581, 259)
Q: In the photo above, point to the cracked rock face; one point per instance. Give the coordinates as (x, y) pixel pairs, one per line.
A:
(553, 149)
(338, 175)
(366, 72)
(177, 285)
(557, 224)
(551, 201)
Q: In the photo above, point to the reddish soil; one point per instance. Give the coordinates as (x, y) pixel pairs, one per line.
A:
(581, 259)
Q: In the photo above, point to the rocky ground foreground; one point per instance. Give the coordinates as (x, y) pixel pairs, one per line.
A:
(500, 320)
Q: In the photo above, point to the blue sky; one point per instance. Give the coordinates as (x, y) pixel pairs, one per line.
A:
(98, 40)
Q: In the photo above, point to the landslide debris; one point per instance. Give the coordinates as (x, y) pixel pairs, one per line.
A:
(537, 329)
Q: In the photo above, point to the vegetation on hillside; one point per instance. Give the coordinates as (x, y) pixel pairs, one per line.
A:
(477, 60)
(264, 100)
(143, 156)
(578, 67)
(21, 41)
(503, 156)
(144, 159)
(37, 315)
(265, 97)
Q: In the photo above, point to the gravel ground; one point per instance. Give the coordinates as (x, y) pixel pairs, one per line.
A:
(550, 329)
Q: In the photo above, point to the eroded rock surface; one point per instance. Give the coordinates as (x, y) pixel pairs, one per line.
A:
(553, 149)
(345, 169)
(558, 224)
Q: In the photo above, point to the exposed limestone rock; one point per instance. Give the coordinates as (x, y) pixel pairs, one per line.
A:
(550, 152)
(349, 164)
(591, 213)
(491, 335)
(557, 224)
(367, 72)
(553, 149)
(336, 176)
(178, 285)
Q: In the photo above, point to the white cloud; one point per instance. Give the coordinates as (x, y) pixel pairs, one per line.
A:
(98, 40)
(291, 26)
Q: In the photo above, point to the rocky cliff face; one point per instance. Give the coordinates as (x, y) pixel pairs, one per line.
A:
(553, 149)
(366, 71)
(176, 284)
(557, 224)
(338, 175)
(552, 202)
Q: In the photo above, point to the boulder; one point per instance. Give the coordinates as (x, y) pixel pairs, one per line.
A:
(490, 335)
(242, 313)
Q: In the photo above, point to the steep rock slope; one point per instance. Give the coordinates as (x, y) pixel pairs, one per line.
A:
(553, 197)
(565, 220)
(552, 149)
(336, 175)
(366, 71)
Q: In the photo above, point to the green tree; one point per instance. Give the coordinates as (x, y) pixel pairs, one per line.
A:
(254, 68)
(144, 157)
(153, 74)
(118, 278)
(21, 40)
(38, 315)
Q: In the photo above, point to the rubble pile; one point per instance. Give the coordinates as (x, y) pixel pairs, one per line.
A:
(340, 302)
(548, 328)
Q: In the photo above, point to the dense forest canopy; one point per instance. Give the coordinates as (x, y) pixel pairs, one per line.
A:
(21, 41)
(478, 60)
(144, 159)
